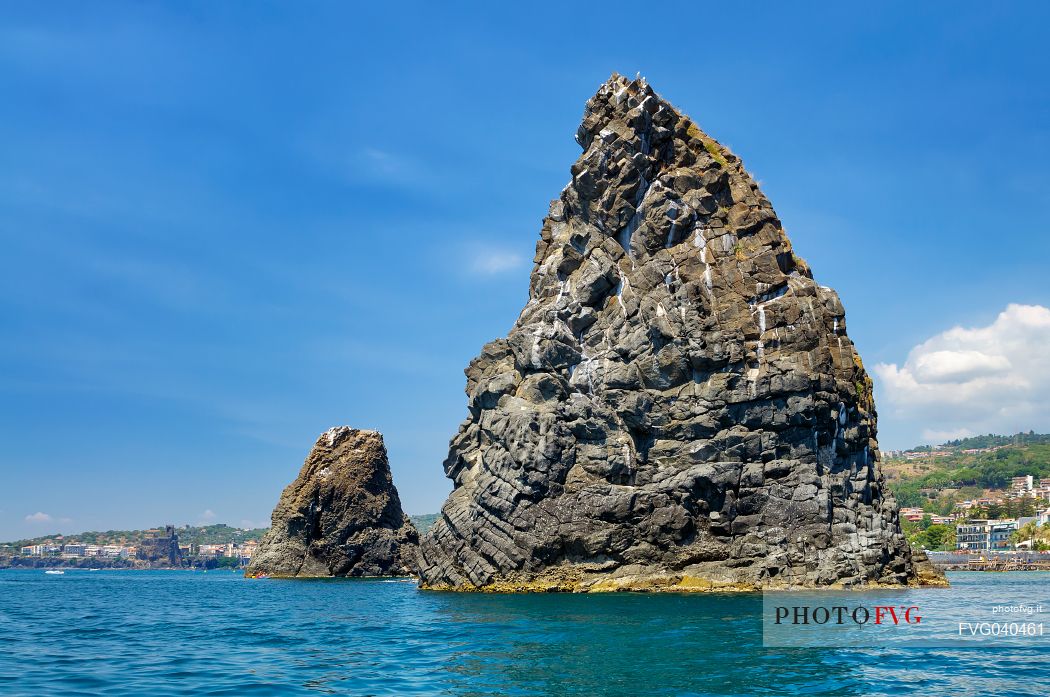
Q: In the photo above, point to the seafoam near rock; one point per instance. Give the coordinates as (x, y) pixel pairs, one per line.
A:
(341, 516)
(678, 406)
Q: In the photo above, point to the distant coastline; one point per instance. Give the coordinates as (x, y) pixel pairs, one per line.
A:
(198, 547)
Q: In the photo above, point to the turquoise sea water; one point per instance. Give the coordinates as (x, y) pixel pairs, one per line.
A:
(189, 633)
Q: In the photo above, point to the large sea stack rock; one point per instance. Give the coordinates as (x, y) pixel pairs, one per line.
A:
(678, 406)
(341, 516)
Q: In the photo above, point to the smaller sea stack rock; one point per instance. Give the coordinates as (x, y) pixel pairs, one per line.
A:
(341, 516)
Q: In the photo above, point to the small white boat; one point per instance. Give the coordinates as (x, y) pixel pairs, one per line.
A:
(55, 572)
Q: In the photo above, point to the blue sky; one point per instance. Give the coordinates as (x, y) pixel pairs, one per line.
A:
(227, 227)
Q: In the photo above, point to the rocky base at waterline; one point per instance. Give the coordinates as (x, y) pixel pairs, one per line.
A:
(341, 516)
(643, 578)
(678, 406)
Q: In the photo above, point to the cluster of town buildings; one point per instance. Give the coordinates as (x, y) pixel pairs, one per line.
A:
(157, 546)
(978, 534)
(926, 454)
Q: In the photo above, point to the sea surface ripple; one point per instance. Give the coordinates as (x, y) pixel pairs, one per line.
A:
(190, 633)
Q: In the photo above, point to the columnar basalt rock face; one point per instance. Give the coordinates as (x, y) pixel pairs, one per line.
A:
(341, 516)
(678, 406)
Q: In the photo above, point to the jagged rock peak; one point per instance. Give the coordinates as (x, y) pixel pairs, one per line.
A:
(337, 434)
(678, 405)
(341, 516)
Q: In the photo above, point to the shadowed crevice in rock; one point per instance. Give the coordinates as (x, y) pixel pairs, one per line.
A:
(341, 516)
(678, 406)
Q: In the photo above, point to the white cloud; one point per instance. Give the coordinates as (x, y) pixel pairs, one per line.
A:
(207, 516)
(39, 517)
(931, 436)
(383, 162)
(966, 381)
(374, 164)
(489, 262)
(369, 165)
(958, 366)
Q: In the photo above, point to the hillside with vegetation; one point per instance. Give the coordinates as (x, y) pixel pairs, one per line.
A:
(925, 534)
(936, 482)
(188, 534)
(936, 478)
